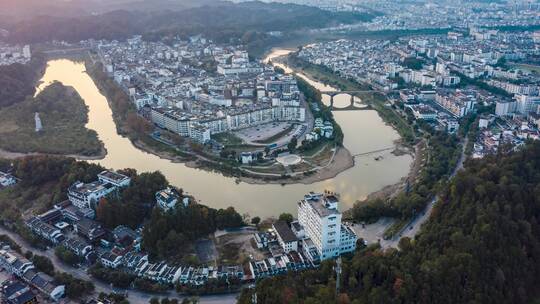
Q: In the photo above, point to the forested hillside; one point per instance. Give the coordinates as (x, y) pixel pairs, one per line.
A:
(222, 20)
(481, 245)
(63, 114)
(17, 81)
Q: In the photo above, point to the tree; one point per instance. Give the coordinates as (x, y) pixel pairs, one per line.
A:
(286, 217)
(138, 124)
(256, 220)
(292, 144)
(66, 256)
(486, 218)
(43, 263)
(75, 288)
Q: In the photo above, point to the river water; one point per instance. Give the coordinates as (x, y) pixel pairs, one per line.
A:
(364, 131)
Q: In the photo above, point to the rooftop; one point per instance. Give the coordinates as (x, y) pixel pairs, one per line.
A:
(284, 231)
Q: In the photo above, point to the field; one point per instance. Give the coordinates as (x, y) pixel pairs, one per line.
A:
(63, 115)
(529, 67)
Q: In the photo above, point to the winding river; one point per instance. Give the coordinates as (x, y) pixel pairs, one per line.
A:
(364, 131)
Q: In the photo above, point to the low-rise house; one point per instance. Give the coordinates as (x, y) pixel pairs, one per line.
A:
(78, 246)
(6, 179)
(279, 264)
(74, 214)
(45, 230)
(125, 236)
(90, 229)
(46, 285)
(263, 238)
(114, 178)
(21, 267)
(230, 271)
(51, 216)
(14, 263)
(135, 261)
(167, 198)
(185, 275)
(111, 260)
(246, 158)
(16, 292)
(286, 238)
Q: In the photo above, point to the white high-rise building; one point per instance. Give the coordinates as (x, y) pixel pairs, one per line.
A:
(39, 125)
(26, 52)
(321, 220)
(526, 103)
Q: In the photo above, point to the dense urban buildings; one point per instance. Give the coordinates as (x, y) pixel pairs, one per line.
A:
(441, 79)
(456, 83)
(198, 89)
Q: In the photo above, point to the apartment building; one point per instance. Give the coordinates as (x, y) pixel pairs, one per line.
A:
(86, 195)
(320, 218)
(459, 103)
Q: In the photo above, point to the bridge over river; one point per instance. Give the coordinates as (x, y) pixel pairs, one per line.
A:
(353, 94)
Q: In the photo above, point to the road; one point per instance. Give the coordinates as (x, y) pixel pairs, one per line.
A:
(135, 296)
(413, 227)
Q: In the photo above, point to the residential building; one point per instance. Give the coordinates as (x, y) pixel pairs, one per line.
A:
(167, 198)
(45, 230)
(111, 260)
(87, 196)
(505, 108)
(321, 220)
(16, 292)
(78, 246)
(285, 236)
(6, 179)
(114, 178)
(21, 267)
(526, 104)
(90, 229)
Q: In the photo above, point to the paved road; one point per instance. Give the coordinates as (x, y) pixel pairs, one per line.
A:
(412, 228)
(135, 296)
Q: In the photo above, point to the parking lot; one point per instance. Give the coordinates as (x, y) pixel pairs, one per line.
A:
(267, 131)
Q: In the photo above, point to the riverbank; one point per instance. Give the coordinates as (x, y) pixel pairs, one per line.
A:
(377, 100)
(340, 161)
(12, 155)
(117, 99)
(418, 156)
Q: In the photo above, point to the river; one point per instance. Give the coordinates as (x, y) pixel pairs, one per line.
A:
(364, 131)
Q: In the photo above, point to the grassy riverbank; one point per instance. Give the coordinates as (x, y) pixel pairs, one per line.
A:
(63, 115)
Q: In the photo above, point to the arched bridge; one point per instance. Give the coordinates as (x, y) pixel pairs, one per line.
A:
(353, 94)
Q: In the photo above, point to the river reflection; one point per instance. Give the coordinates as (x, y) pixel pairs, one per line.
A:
(364, 131)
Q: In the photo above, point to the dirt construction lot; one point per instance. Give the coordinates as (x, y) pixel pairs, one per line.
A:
(236, 247)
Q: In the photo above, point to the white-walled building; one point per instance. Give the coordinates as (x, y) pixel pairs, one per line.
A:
(168, 198)
(286, 238)
(320, 218)
(526, 103)
(504, 108)
(114, 178)
(7, 179)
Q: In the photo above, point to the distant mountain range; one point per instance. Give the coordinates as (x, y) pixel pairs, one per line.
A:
(220, 20)
(21, 9)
